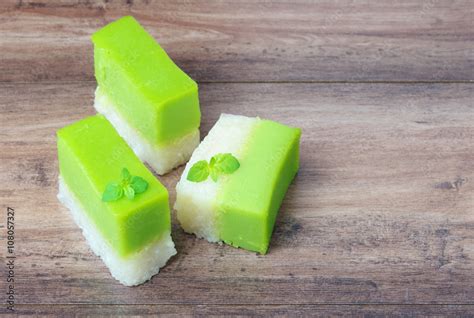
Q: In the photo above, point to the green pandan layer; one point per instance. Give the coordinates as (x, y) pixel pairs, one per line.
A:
(91, 155)
(148, 89)
(249, 200)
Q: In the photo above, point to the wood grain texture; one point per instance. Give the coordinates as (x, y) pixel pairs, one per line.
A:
(255, 311)
(345, 40)
(381, 211)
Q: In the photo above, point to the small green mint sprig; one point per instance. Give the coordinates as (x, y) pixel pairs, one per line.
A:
(129, 186)
(222, 163)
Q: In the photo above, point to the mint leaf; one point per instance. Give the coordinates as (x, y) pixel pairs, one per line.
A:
(225, 163)
(139, 184)
(198, 172)
(113, 192)
(129, 192)
(214, 174)
(125, 174)
(213, 171)
(212, 162)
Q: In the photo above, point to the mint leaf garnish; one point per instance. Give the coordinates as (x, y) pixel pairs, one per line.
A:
(214, 174)
(129, 192)
(198, 172)
(112, 192)
(139, 184)
(225, 163)
(129, 186)
(125, 174)
(222, 163)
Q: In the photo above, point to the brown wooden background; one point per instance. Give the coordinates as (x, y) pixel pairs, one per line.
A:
(380, 219)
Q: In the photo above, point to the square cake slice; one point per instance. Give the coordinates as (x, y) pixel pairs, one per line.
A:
(122, 209)
(150, 101)
(233, 185)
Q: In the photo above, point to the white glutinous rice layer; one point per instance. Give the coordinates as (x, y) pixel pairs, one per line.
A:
(196, 201)
(133, 270)
(161, 158)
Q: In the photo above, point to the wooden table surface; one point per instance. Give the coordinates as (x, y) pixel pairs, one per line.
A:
(379, 220)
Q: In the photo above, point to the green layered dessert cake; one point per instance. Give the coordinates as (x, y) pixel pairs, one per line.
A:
(151, 103)
(120, 206)
(233, 185)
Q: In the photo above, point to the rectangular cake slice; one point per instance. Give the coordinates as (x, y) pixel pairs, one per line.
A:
(120, 206)
(233, 185)
(150, 101)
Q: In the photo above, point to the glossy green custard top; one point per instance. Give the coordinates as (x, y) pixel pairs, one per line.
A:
(91, 155)
(251, 197)
(153, 94)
